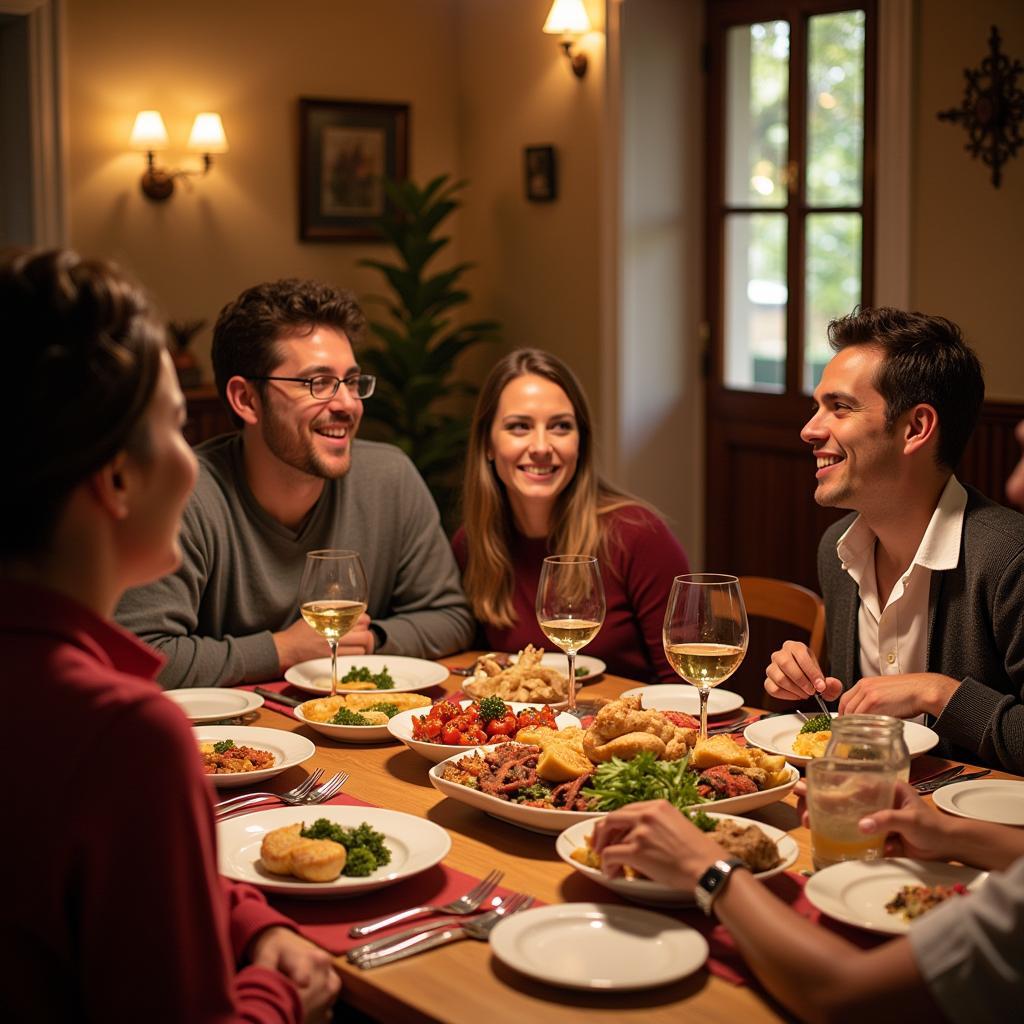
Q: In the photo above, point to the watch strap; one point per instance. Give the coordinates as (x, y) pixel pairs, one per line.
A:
(713, 882)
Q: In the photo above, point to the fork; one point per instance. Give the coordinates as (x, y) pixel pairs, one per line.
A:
(465, 904)
(292, 796)
(319, 795)
(479, 928)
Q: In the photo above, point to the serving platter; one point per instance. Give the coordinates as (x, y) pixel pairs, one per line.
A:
(684, 698)
(643, 890)
(288, 748)
(415, 844)
(409, 674)
(214, 703)
(776, 733)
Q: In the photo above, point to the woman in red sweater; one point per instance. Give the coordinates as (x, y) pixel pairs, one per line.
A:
(117, 912)
(531, 489)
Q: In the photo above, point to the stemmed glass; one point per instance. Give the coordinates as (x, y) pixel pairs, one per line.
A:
(705, 633)
(332, 596)
(570, 607)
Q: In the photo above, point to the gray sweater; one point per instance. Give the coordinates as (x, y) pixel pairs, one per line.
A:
(975, 632)
(240, 573)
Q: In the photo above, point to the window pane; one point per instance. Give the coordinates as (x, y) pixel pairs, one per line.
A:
(755, 301)
(835, 109)
(833, 283)
(757, 91)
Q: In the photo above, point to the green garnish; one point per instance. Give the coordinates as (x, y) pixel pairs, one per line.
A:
(385, 709)
(345, 717)
(491, 708)
(365, 846)
(703, 821)
(538, 791)
(819, 723)
(361, 674)
(582, 672)
(223, 746)
(617, 783)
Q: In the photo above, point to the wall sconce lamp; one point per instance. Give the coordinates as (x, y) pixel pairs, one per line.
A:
(568, 19)
(150, 135)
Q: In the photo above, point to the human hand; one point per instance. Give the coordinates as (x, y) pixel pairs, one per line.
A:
(794, 674)
(309, 968)
(300, 642)
(901, 696)
(656, 839)
(920, 831)
(359, 639)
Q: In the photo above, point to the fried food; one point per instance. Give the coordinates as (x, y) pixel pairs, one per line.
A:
(717, 750)
(623, 729)
(562, 758)
(527, 680)
(285, 852)
(277, 846)
(749, 843)
(725, 780)
(403, 701)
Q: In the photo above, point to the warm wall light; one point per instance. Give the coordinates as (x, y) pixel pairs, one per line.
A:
(149, 134)
(568, 19)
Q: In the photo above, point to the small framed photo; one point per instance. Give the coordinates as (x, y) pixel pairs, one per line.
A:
(541, 174)
(346, 148)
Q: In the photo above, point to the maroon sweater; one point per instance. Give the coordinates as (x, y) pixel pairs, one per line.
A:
(643, 560)
(114, 910)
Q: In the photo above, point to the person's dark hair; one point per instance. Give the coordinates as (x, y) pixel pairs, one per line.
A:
(245, 336)
(926, 362)
(83, 351)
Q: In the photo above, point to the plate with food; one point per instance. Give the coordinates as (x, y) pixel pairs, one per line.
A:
(358, 673)
(327, 851)
(588, 668)
(799, 741)
(239, 755)
(598, 946)
(450, 727)
(998, 800)
(677, 697)
(889, 894)
(357, 717)
(766, 850)
(529, 680)
(214, 703)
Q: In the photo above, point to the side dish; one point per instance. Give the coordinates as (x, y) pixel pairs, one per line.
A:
(489, 720)
(323, 851)
(527, 681)
(225, 758)
(361, 708)
(813, 737)
(914, 900)
(361, 678)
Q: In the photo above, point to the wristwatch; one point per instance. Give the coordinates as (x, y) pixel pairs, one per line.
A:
(714, 881)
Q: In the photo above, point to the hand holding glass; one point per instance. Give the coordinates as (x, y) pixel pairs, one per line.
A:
(705, 632)
(570, 607)
(332, 596)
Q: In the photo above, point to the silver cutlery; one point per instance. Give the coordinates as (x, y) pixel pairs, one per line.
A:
(465, 904)
(280, 698)
(930, 787)
(718, 730)
(946, 773)
(821, 704)
(478, 928)
(298, 793)
(320, 795)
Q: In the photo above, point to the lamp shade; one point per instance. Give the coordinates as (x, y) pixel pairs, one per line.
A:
(567, 18)
(208, 134)
(149, 132)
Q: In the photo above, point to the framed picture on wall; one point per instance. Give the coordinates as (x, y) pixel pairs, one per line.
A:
(345, 149)
(541, 178)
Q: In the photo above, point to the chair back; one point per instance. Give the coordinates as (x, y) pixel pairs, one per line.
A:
(790, 603)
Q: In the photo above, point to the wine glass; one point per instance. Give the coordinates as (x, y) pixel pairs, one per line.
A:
(570, 607)
(705, 632)
(332, 596)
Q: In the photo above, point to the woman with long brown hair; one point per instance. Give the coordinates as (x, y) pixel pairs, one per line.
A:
(532, 489)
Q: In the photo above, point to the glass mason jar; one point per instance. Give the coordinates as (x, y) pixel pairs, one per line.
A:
(871, 738)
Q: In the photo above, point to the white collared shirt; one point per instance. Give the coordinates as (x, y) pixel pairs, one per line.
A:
(894, 639)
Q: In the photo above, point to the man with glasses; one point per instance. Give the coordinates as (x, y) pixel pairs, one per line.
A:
(292, 480)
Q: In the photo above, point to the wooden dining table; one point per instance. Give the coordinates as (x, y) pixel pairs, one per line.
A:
(462, 982)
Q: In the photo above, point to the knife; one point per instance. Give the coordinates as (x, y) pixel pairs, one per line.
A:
(279, 698)
(930, 787)
(945, 773)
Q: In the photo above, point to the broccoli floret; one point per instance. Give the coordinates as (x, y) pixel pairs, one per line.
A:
(385, 709)
(359, 674)
(360, 863)
(364, 835)
(324, 829)
(703, 821)
(581, 672)
(223, 746)
(491, 708)
(365, 846)
(345, 717)
(819, 723)
(383, 679)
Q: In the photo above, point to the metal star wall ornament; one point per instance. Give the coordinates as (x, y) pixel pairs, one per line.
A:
(992, 108)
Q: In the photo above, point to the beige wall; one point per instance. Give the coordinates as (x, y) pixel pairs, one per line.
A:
(966, 235)
(250, 60)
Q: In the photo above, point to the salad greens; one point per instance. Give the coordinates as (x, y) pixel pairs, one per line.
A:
(617, 783)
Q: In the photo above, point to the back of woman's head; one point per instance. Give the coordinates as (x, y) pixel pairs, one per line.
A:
(83, 353)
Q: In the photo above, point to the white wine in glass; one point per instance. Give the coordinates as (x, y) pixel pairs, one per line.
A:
(705, 633)
(332, 596)
(570, 607)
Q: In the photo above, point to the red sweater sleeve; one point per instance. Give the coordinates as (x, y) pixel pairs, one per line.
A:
(156, 928)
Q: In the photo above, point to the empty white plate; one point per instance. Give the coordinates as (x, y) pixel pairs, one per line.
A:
(214, 703)
(998, 800)
(684, 698)
(598, 946)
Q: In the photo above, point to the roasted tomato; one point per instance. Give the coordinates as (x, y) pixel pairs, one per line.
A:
(504, 726)
(446, 710)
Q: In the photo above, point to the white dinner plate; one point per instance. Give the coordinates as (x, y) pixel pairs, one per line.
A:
(348, 733)
(415, 844)
(998, 800)
(557, 660)
(776, 734)
(856, 891)
(409, 674)
(288, 748)
(400, 727)
(643, 890)
(598, 946)
(680, 697)
(551, 822)
(214, 703)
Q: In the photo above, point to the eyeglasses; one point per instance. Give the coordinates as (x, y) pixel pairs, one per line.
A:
(324, 386)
